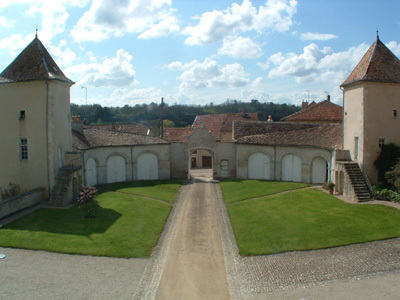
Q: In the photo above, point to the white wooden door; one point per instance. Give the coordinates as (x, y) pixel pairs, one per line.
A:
(291, 168)
(318, 170)
(148, 167)
(259, 166)
(224, 168)
(91, 172)
(116, 169)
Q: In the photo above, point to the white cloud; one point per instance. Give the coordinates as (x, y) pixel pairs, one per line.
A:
(15, 44)
(63, 57)
(248, 95)
(214, 26)
(240, 47)
(318, 36)
(148, 18)
(317, 65)
(208, 73)
(394, 47)
(112, 72)
(258, 81)
(121, 97)
(6, 23)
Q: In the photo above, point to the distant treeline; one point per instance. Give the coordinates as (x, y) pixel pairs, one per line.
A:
(176, 115)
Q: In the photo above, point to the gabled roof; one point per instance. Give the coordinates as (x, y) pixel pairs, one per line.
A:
(324, 111)
(378, 64)
(32, 64)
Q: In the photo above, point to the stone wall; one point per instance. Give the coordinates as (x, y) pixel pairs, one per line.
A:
(21, 202)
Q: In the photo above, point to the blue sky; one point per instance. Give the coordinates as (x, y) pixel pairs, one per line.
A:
(197, 52)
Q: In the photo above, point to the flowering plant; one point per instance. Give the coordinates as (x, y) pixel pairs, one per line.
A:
(86, 200)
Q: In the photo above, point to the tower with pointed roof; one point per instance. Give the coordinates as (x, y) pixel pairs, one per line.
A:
(35, 119)
(371, 102)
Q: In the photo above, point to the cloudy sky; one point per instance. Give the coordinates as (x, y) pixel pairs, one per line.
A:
(196, 52)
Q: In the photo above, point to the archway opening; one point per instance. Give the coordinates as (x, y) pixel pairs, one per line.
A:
(200, 163)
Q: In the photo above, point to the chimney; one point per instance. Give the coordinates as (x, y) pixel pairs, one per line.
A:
(304, 104)
(328, 97)
(270, 119)
(77, 124)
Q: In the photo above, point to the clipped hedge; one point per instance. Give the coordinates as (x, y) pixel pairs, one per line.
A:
(385, 194)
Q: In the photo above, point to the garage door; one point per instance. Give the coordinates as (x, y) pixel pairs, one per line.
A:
(147, 167)
(116, 169)
(259, 166)
(318, 170)
(91, 172)
(291, 168)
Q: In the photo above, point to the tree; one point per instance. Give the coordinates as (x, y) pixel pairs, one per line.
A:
(386, 160)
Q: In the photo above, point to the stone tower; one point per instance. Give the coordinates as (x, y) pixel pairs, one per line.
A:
(35, 119)
(371, 102)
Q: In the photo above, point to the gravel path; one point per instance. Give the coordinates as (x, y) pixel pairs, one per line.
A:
(27, 274)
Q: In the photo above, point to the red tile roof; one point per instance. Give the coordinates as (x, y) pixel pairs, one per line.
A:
(322, 112)
(95, 137)
(242, 129)
(33, 63)
(321, 135)
(131, 128)
(177, 134)
(378, 64)
(219, 123)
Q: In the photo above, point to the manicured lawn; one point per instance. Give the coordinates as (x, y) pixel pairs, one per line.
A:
(126, 225)
(237, 190)
(307, 219)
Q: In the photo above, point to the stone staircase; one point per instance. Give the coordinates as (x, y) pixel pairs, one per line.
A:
(60, 189)
(358, 181)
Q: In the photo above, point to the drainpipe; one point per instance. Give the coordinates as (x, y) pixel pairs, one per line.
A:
(343, 115)
(274, 162)
(132, 161)
(84, 168)
(47, 137)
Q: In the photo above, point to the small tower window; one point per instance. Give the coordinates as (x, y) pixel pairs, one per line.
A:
(394, 113)
(381, 143)
(22, 114)
(23, 148)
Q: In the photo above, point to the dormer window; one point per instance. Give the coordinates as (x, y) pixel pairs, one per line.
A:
(394, 113)
(22, 114)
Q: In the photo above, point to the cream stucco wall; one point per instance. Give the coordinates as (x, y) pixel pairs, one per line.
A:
(130, 155)
(276, 153)
(368, 109)
(31, 97)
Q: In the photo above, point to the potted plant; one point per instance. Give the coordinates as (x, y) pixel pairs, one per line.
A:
(330, 186)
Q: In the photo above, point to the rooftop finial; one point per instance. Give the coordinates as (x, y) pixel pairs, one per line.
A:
(36, 30)
(377, 35)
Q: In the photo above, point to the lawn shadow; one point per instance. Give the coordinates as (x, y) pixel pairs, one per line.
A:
(113, 187)
(70, 221)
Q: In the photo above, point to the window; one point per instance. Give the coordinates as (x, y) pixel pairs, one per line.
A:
(23, 148)
(381, 143)
(394, 113)
(22, 114)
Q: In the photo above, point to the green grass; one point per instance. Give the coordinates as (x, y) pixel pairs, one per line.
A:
(159, 189)
(126, 225)
(237, 190)
(307, 219)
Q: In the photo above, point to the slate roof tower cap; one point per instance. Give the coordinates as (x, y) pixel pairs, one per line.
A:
(378, 64)
(34, 63)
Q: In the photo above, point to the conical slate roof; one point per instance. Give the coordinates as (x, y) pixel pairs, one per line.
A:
(379, 64)
(32, 64)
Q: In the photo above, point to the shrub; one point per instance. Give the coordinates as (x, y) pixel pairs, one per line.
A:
(87, 200)
(13, 191)
(390, 153)
(385, 194)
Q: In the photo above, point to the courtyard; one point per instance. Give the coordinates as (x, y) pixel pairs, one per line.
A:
(246, 276)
